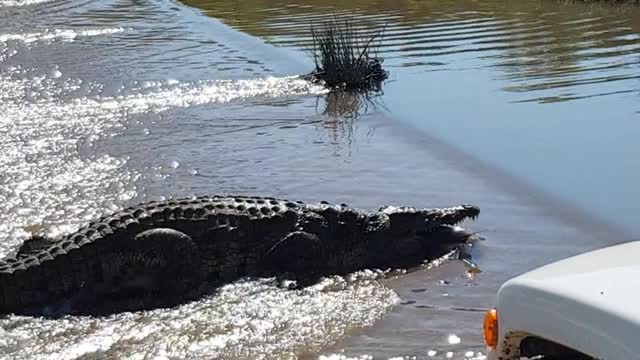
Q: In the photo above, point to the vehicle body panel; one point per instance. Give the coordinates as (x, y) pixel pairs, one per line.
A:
(589, 302)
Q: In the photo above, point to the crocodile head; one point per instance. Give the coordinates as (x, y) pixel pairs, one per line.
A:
(441, 226)
(426, 219)
(405, 237)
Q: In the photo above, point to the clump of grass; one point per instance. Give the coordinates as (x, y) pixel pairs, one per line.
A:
(346, 58)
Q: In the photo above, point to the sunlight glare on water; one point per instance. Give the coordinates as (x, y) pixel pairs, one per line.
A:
(58, 34)
(47, 186)
(19, 3)
(246, 319)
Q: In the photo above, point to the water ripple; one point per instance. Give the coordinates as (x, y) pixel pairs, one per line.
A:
(564, 39)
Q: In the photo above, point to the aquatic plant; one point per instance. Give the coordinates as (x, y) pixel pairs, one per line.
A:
(346, 58)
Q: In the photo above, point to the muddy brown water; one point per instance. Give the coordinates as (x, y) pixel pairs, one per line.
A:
(527, 110)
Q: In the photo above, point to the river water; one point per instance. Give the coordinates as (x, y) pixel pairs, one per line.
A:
(528, 110)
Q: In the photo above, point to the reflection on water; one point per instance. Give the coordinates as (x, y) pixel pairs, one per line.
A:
(346, 104)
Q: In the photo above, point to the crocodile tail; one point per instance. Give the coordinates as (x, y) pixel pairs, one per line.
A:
(32, 282)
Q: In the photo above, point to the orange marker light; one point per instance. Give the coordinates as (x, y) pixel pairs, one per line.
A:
(490, 328)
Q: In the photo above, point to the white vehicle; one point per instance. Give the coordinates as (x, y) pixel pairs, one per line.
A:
(582, 307)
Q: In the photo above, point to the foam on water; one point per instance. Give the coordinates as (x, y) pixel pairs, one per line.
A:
(247, 319)
(163, 95)
(18, 3)
(58, 34)
(46, 184)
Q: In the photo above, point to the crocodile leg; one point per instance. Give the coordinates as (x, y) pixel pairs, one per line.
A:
(159, 267)
(224, 260)
(237, 248)
(300, 255)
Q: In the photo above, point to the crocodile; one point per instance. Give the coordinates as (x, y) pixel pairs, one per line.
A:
(162, 253)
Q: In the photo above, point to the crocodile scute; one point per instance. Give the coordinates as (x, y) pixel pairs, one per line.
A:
(163, 253)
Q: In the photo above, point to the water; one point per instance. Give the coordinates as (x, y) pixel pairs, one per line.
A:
(545, 90)
(526, 110)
